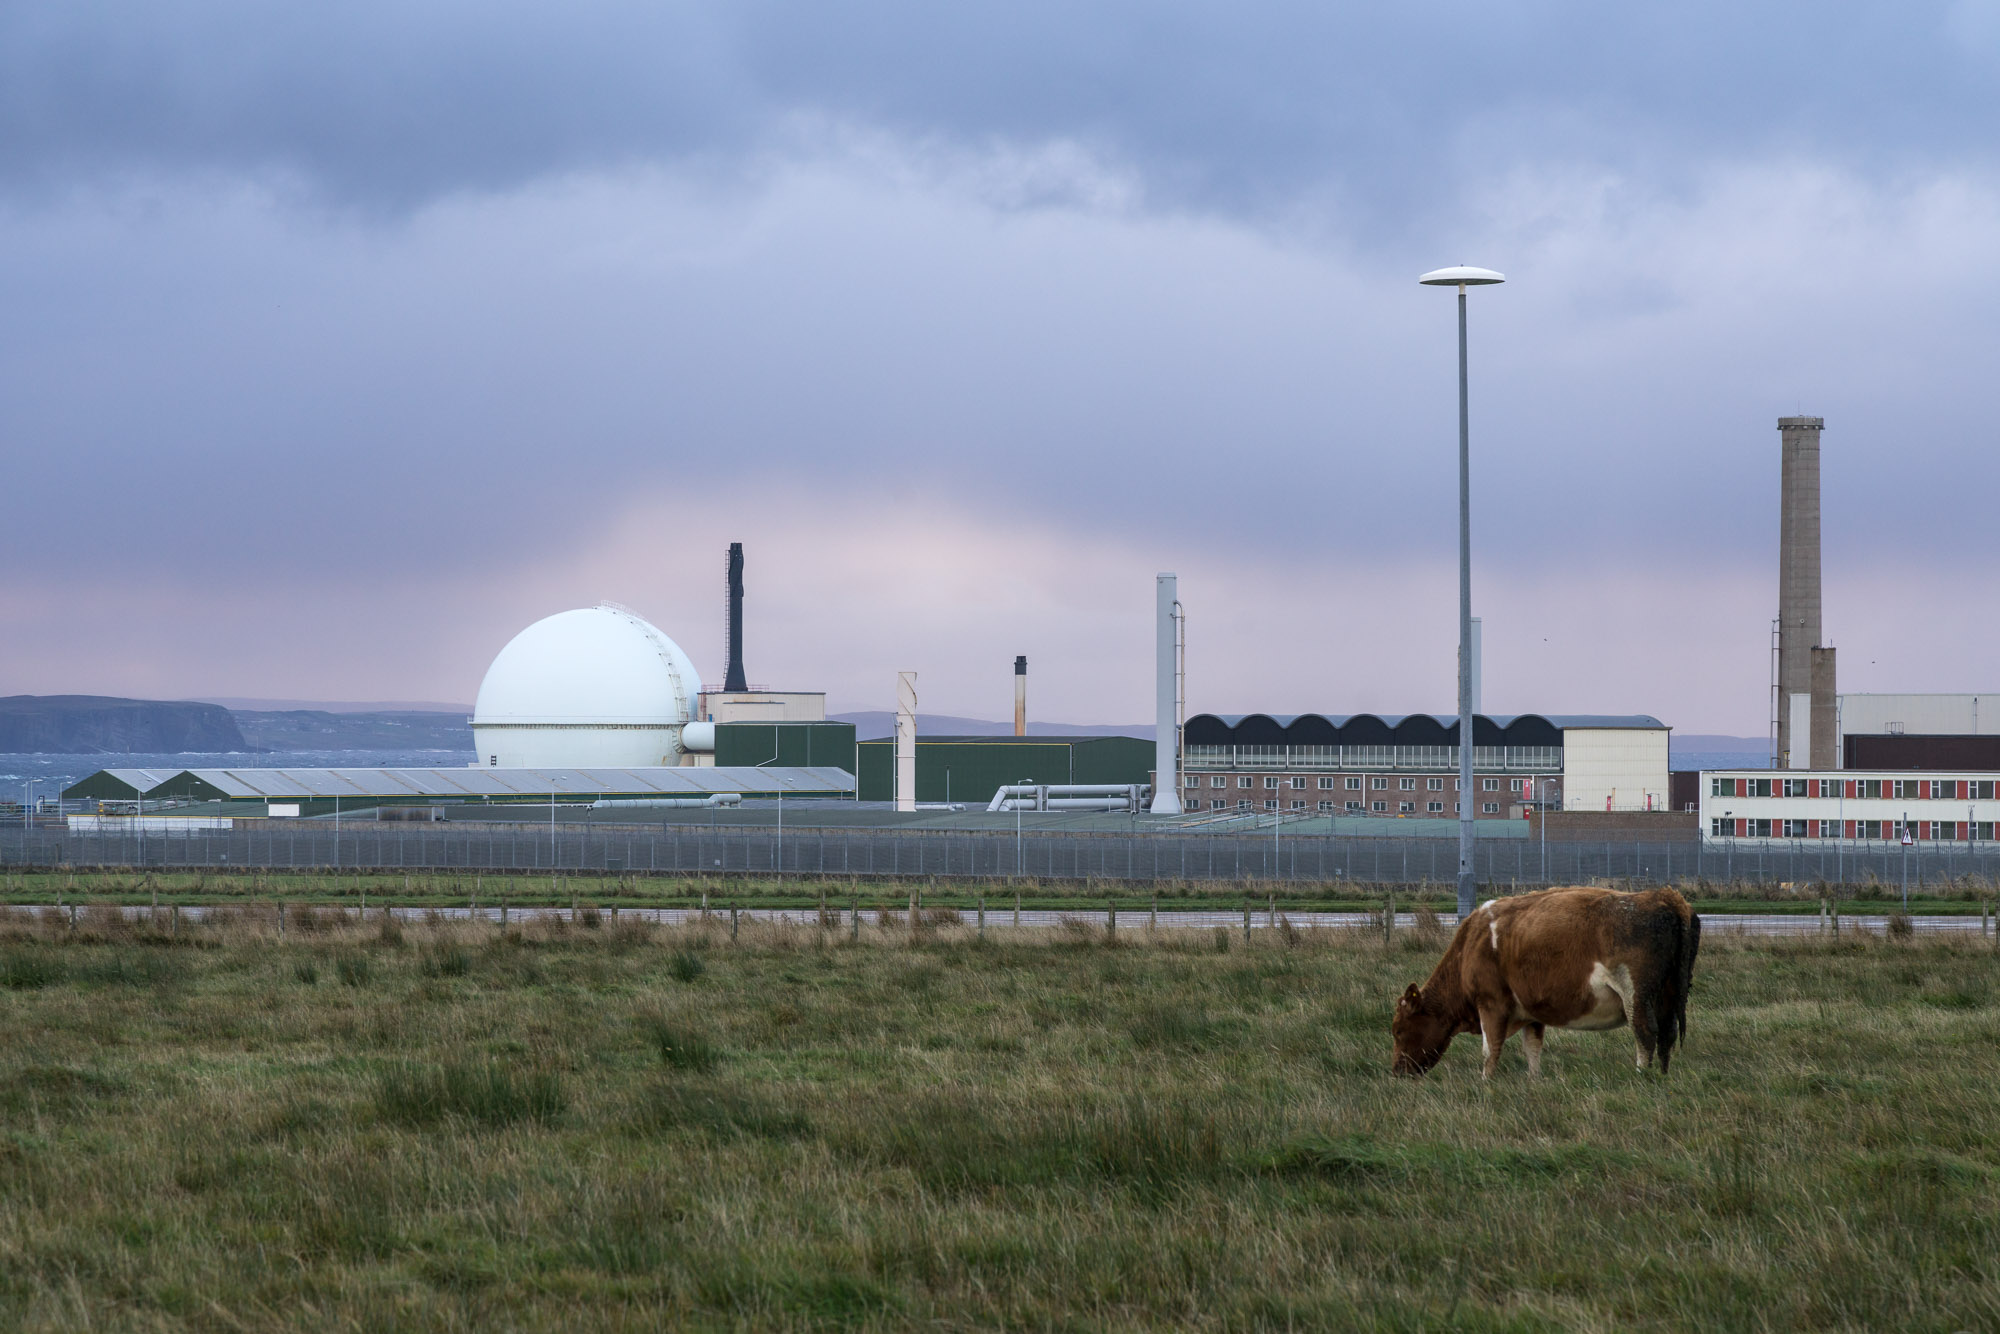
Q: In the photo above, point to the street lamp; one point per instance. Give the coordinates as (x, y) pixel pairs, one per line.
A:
(1463, 276)
(1018, 866)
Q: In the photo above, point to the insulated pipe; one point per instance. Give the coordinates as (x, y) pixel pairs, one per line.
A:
(667, 803)
(698, 738)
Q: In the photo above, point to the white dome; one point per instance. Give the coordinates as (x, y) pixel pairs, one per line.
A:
(600, 687)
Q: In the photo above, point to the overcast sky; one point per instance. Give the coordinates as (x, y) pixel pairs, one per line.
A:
(339, 342)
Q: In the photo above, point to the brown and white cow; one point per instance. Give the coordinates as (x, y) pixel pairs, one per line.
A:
(1561, 958)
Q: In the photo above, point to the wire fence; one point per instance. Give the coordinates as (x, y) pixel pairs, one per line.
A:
(991, 854)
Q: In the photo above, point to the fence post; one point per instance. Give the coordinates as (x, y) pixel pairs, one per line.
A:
(1017, 907)
(174, 922)
(1834, 907)
(1246, 919)
(281, 919)
(1110, 917)
(1389, 918)
(982, 917)
(1153, 915)
(732, 921)
(854, 918)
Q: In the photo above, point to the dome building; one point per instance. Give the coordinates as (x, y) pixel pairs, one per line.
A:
(596, 688)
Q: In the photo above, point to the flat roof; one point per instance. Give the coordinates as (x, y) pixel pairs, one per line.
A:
(511, 784)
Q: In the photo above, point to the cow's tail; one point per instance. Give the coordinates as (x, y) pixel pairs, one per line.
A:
(1684, 973)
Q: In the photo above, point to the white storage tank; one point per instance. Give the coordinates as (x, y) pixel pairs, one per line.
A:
(596, 688)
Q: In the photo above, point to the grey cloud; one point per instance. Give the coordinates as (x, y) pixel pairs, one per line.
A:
(1389, 108)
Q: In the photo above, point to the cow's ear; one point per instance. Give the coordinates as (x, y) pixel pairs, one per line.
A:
(1411, 994)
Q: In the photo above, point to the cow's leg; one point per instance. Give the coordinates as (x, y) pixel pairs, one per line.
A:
(1531, 1041)
(1645, 1025)
(1492, 1034)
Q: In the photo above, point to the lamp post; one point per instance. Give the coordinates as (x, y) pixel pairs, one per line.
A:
(1463, 276)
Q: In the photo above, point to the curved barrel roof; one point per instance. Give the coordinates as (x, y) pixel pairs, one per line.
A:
(1397, 729)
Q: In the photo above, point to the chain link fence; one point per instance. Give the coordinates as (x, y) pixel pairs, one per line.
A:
(990, 854)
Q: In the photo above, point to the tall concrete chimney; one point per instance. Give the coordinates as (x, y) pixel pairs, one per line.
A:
(1166, 720)
(733, 677)
(1806, 724)
(1021, 695)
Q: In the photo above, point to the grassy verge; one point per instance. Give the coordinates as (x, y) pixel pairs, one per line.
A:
(352, 890)
(451, 1127)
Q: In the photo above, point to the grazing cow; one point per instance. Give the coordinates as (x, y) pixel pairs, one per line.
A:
(1562, 958)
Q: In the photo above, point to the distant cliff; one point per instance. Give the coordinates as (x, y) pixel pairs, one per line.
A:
(86, 724)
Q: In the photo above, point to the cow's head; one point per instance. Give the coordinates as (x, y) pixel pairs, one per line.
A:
(1421, 1035)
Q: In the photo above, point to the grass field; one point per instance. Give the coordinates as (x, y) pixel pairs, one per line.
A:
(575, 1128)
(1967, 896)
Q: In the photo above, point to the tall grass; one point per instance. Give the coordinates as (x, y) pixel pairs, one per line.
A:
(556, 1128)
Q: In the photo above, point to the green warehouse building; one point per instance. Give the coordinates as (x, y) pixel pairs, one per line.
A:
(970, 769)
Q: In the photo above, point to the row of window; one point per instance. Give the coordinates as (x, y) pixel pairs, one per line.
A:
(1861, 789)
(1351, 808)
(1926, 830)
(1352, 784)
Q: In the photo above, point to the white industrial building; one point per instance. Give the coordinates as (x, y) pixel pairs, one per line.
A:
(1406, 765)
(1762, 803)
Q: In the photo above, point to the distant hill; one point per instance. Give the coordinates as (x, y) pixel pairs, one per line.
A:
(89, 724)
(321, 729)
(872, 723)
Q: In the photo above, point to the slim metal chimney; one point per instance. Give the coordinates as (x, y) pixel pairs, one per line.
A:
(1805, 665)
(733, 678)
(1166, 724)
(1021, 695)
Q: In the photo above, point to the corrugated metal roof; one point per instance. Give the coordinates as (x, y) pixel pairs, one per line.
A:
(470, 783)
(101, 783)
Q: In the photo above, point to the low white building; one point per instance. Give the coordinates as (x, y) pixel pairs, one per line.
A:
(1866, 807)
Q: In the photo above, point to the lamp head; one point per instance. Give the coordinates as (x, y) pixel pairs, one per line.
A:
(1462, 275)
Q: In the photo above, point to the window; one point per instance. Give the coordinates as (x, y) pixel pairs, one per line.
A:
(1353, 805)
(1871, 787)
(1242, 805)
(1721, 787)
(1326, 805)
(1717, 826)
(1298, 782)
(1489, 808)
(1906, 789)
(1378, 806)
(1458, 808)
(1244, 782)
(1298, 805)
(1218, 782)
(1406, 808)
(1354, 785)
(1270, 781)
(1760, 828)
(1943, 829)
(1407, 784)
(1946, 790)
(1489, 785)
(1983, 830)
(1378, 784)
(1270, 805)
(1326, 785)
(1435, 807)
(1983, 789)
(1870, 828)
(1759, 787)
(1194, 780)
(1434, 784)
(1792, 828)
(1794, 787)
